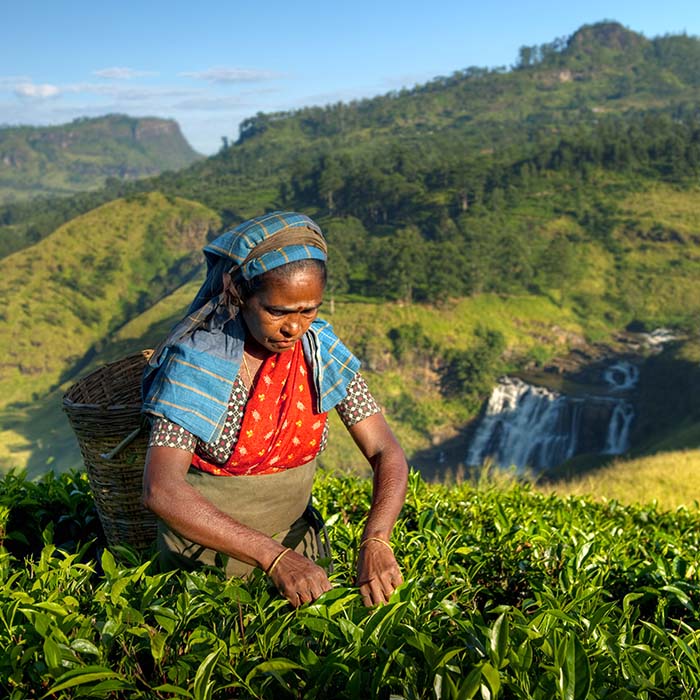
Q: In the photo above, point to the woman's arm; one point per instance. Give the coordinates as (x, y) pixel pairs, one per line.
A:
(167, 493)
(378, 573)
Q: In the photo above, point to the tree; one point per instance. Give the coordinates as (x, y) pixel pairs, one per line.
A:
(398, 265)
(330, 181)
(559, 265)
(527, 56)
(470, 374)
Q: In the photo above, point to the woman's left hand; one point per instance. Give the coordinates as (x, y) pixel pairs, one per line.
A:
(378, 574)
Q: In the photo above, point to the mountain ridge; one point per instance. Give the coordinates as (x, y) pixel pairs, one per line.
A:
(84, 153)
(476, 114)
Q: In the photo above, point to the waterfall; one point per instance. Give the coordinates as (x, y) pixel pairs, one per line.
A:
(524, 425)
(621, 375)
(531, 426)
(617, 439)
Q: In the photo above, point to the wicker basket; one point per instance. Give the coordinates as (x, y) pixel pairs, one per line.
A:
(104, 410)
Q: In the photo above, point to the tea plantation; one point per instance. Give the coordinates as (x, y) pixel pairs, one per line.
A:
(509, 594)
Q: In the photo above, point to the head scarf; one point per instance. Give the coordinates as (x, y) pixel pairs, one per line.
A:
(257, 246)
(190, 375)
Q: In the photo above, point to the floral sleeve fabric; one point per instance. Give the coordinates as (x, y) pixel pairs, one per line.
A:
(356, 406)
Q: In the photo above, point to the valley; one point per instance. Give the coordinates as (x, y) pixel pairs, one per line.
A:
(520, 222)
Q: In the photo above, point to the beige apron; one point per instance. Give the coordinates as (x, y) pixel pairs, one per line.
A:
(274, 504)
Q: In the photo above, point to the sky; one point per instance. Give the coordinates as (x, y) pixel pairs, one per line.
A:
(211, 64)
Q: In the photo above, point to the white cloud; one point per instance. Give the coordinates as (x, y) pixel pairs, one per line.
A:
(33, 91)
(120, 92)
(121, 73)
(231, 75)
(138, 94)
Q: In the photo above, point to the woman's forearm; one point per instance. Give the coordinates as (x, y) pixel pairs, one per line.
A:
(167, 494)
(388, 493)
(383, 452)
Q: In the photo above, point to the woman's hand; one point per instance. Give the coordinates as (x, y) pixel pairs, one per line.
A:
(378, 574)
(298, 579)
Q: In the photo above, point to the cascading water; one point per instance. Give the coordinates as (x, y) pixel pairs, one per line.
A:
(530, 426)
(617, 439)
(526, 425)
(621, 375)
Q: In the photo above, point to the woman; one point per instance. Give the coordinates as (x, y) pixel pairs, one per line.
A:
(239, 394)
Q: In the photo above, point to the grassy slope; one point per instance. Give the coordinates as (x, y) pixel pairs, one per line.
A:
(660, 252)
(77, 286)
(671, 479)
(69, 291)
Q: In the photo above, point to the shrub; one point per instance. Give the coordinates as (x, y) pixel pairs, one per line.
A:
(508, 594)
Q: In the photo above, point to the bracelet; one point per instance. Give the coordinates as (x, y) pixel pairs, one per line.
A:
(375, 539)
(277, 560)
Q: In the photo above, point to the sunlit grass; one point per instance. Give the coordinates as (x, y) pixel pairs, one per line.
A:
(666, 205)
(670, 479)
(68, 292)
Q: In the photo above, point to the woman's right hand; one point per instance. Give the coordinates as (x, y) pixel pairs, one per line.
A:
(298, 579)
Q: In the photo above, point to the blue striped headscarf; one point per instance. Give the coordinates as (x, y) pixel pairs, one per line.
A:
(190, 375)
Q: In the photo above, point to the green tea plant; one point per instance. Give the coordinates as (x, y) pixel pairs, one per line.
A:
(508, 594)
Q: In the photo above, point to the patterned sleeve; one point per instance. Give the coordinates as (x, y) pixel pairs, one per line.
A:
(358, 404)
(167, 434)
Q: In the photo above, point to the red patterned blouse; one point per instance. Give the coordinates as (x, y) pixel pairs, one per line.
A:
(281, 397)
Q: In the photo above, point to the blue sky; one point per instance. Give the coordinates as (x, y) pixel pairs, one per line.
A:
(210, 64)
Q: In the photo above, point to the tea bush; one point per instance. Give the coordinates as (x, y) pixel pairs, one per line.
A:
(508, 594)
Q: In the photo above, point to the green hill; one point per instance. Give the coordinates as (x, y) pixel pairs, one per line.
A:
(477, 224)
(87, 279)
(82, 155)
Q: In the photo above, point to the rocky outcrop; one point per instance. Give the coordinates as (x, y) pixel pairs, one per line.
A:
(83, 154)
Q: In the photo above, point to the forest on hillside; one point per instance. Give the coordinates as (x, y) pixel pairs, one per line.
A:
(446, 189)
(569, 180)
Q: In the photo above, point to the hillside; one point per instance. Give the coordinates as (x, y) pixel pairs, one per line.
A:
(669, 479)
(477, 224)
(82, 155)
(87, 279)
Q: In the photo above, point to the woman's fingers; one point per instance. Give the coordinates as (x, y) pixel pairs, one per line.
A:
(379, 589)
(373, 593)
(378, 573)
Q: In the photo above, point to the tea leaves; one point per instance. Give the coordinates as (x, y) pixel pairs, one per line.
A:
(508, 594)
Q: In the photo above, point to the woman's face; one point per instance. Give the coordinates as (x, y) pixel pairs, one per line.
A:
(282, 310)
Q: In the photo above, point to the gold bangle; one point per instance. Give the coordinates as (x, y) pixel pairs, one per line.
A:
(277, 560)
(375, 539)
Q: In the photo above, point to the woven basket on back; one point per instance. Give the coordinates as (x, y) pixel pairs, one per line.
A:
(104, 410)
